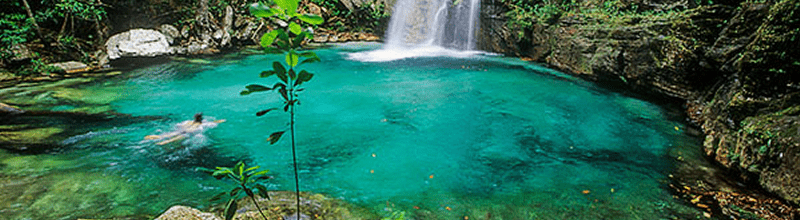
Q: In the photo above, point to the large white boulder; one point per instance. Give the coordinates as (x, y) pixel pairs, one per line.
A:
(137, 43)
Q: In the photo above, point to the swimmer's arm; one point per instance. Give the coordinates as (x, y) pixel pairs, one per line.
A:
(219, 121)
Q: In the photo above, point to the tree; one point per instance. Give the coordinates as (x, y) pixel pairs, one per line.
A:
(33, 20)
(288, 42)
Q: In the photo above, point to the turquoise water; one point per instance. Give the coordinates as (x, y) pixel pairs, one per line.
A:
(483, 137)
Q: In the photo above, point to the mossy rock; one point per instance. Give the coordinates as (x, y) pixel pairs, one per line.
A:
(281, 205)
(35, 135)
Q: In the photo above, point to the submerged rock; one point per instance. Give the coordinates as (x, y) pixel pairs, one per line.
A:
(280, 206)
(186, 213)
(138, 43)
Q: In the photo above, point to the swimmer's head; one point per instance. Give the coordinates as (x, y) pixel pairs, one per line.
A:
(198, 117)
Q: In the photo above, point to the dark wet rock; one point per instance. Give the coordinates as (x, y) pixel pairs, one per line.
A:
(137, 43)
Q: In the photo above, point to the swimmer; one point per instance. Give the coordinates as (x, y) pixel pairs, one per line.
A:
(185, 129)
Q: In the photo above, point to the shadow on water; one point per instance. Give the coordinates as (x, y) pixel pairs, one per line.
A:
(35, 132)
(186, 159)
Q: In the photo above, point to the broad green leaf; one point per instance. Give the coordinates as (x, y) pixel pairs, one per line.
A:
(217, 197)
(311, 19)
(279, 85)
(308, 54)
(288, 5)
(284, 93)
(239, 167)
(263, 112)
(292, 75)
(257, 88)
(252, 168)
(292, 59)
(245, 179)
(266, 74)
(283, 43)
(295, 28)
(235, 191)
(262, 191)
(273, 50)
(230, 209)
(278, 67)
(283, 78)
(310, 60)
(261, 10)
(221, 172)
(304, 76)
(268, 38)
(274, 137)
(298, 40)
(263, 172)
(279, 12)
(205, 170)
(245, 92)
(249, 192)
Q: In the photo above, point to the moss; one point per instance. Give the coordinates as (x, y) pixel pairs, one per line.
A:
(30, 135)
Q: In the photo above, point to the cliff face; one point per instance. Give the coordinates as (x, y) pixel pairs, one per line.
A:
(735, 66)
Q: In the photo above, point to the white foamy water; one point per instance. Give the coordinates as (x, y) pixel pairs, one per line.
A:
(398, 53)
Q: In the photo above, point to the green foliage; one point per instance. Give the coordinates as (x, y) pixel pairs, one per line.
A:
(80, 9)
(290, 80)
(62, 21)
(249, 182)
(524, 14)
(367, 16)
(15, 28)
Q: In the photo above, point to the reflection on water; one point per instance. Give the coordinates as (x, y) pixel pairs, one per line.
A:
(436, 137)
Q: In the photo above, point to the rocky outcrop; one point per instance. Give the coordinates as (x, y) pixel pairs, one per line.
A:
(732, 64)
(752, 119)
(137, 43)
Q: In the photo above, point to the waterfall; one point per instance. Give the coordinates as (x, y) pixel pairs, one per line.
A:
(440, 23)
(428, 28)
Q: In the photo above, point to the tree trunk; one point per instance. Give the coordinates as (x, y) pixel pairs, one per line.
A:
(100, 32)
(33, 20)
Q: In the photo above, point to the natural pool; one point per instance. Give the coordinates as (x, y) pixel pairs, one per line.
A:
(482, 137)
